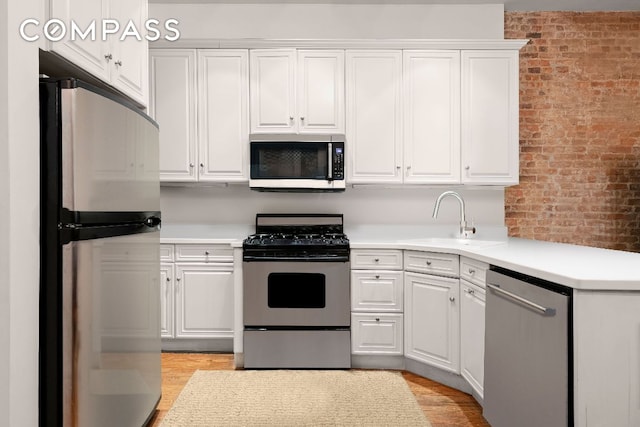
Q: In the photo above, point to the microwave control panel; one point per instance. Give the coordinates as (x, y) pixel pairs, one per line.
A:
(338, 161)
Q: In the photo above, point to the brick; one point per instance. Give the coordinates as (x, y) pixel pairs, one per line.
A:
(579, 128)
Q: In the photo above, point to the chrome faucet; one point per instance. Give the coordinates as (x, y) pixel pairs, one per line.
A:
(465, 230)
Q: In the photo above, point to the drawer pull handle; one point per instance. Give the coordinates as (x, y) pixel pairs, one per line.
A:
(471, 271)
(469, 291)
(377, 276)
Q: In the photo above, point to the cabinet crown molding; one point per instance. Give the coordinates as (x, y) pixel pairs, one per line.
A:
(463, 44)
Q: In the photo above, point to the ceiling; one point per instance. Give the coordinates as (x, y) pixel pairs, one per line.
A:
(509, 5)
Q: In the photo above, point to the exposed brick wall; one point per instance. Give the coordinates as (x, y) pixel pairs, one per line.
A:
(579, 129)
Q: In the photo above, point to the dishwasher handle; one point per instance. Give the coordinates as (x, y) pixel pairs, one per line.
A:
(545, 311)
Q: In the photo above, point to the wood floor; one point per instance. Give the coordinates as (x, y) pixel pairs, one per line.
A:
(443, 406)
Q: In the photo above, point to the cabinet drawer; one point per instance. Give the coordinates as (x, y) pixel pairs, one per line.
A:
(376, 290)
(379, 333)
(166, 253)
(432, 263)
(204, 253)
(376, 259)
(474, 271)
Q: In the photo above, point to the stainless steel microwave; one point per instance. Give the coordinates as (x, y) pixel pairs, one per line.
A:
(281, 162)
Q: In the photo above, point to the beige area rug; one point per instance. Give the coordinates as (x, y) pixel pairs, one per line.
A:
(296, 398)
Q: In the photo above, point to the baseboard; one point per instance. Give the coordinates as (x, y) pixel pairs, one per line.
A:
(377, 362)
(218, 345)
(438, 375)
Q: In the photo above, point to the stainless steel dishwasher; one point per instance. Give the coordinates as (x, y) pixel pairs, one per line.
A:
(528, 379)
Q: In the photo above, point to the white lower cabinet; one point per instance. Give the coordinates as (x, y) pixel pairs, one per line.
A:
(432, 322)
(196, 296)
(203, 293)
(376, 302)
(376, 333)
(167, 280)
(472, 307)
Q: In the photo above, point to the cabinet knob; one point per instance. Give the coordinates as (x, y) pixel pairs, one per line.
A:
(471, 271)
(467, 167)
(469, 291)
(452, 299)
(377, 276)
(398, 167)
(118, 63)
(108, 57)
(177, 279)
(291, 118)
(168, 279)
(206, 253)
(428, 262)
(302, 118)
(377, 319)
(376, 259)
(191, 165)
(201, 165)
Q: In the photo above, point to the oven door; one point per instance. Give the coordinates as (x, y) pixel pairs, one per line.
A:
(282, 293)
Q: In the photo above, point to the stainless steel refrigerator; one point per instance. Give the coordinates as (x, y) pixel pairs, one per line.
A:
(99, 286)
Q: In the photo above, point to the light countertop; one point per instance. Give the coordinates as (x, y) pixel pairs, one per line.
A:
(579, 267)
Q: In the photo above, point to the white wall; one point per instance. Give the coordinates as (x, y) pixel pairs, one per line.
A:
(334, 21)
(386, 206)
(19, 217)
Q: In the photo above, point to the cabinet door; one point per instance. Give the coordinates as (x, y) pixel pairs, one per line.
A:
(204, 301)
(223, 115)
(130, 72)
(376, 333)
(273, 90)
(472, 307)
(167, 275)
(432, 325)
(90, 55)
(431, 116)
(376, 290)
(374, 128)
(173, 106)
(320, 91)
(490, 117)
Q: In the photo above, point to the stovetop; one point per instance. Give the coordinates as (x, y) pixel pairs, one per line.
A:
(296, 240)
(286, 236)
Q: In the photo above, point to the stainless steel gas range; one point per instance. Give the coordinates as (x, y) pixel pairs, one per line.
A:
(297, 292)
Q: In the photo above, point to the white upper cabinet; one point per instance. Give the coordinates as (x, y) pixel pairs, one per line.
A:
(490, 117)
(431, 95)
(90, 55)
(320, 91)
(297, 91)
(130, 72)
(120, 63)
(273, 90)
(223, 115)
(173, 106)
(374, 114)
(200, 100)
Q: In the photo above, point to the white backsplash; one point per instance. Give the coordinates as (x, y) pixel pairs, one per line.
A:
(237, 204)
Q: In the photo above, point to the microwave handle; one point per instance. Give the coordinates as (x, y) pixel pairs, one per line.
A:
(330, 162)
